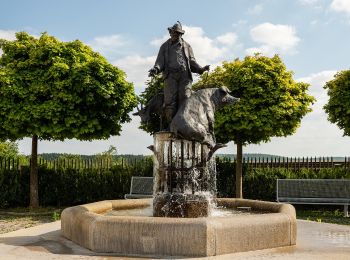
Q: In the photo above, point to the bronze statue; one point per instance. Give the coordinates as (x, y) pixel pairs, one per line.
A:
(195, 118)
(184, 167)
(188, 114)
(176, 61)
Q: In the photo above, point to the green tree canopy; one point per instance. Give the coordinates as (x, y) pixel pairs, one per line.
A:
(271, 102)
(55, 90)
(338, 106)
(58, 90)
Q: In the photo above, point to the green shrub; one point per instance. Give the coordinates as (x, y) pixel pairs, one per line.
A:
(68, 186)
(260, 183)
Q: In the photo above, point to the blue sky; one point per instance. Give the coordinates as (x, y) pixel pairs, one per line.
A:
(311, 36)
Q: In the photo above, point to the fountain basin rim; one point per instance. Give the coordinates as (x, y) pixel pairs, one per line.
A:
(195, 237)
(268, 207)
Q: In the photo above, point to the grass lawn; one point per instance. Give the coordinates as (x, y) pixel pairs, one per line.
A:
(326, 215)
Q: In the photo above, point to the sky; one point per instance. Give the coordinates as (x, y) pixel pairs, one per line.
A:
(311, 36)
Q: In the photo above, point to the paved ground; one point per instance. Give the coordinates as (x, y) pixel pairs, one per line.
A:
(315, 241)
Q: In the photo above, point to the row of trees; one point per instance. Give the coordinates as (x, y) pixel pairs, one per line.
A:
(53, 90)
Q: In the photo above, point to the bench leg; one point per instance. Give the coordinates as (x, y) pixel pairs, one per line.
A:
(346, 212)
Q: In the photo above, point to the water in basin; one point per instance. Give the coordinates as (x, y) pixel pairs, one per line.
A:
(215, 212)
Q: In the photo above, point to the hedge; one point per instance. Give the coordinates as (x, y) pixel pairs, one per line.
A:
(260, 183)
(67, 186)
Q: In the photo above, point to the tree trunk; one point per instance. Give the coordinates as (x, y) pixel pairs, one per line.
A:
(34, 194)
(239, 193)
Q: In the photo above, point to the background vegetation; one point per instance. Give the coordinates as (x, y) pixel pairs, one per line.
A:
(73, 184)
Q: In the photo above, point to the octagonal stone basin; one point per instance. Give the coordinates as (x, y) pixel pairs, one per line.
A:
(193, 237)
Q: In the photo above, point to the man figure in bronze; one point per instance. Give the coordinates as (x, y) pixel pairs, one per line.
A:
(176, 61)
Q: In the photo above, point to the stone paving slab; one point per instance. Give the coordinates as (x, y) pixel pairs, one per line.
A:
(314, 241)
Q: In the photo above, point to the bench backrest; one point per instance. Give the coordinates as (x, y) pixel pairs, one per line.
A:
(313, 188)
(141, 185)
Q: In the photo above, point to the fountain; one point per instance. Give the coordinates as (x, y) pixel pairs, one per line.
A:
(180, 220)
(184, 179)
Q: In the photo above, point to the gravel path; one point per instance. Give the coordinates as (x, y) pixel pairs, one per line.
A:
(10, 223)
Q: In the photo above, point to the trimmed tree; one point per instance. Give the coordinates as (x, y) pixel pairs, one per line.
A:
(338, 105)
(272, 104)
(53, 90)
(154, 86)
(8, 150)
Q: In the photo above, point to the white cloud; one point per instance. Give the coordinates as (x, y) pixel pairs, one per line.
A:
(255, 10)
(108, 45)
(207, 50)
(7, 35)
(136, 67)
(341, 6)
(157, 42)
(239, 23)
(309, 2)
(227, 38)
(317, 81)
(274, 38)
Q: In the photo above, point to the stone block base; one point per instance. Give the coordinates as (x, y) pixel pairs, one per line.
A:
(180, 206)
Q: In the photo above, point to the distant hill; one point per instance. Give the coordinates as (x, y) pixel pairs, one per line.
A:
(54, 156)
(250, 155)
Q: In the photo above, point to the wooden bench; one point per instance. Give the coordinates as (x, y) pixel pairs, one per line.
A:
(141, 187)
(315, 191)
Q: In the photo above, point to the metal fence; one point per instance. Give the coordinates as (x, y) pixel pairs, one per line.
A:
(298, 163)
(106, 163)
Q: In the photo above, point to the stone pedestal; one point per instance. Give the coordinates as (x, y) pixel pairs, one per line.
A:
(185, 181)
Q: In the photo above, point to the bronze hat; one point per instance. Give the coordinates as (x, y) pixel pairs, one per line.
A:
(177, 28)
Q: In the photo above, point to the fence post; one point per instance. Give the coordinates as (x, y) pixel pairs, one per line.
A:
(332, 162)
(345, 162)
